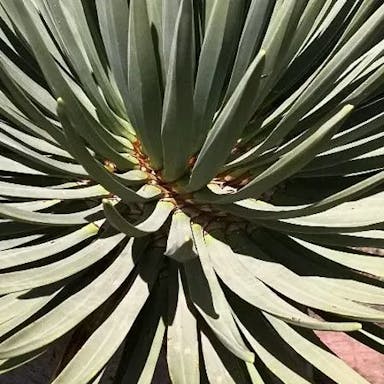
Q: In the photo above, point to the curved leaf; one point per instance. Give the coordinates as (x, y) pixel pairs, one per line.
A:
(152, 224)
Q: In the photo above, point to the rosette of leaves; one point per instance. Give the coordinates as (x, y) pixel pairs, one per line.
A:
(202, 177)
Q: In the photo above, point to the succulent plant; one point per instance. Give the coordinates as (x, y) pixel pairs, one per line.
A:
(202, 177)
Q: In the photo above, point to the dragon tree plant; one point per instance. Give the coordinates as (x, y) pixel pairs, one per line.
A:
(198, 177)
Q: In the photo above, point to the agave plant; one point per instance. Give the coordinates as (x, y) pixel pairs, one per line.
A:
(199, 177)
